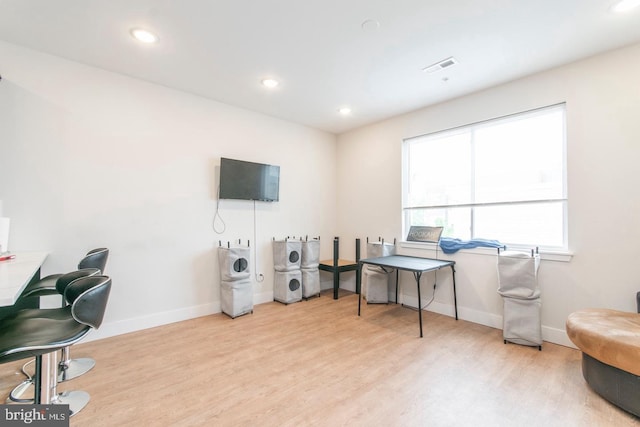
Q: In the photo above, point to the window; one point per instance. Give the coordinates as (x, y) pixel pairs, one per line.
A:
(502, 179)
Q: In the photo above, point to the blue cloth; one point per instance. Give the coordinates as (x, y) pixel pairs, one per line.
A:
(450, 245)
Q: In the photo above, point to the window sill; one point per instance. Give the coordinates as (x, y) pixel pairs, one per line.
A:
(558, 256)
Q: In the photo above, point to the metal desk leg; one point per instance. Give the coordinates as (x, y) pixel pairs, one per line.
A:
(397, 285)
(359, 272)
(336, 282)
(417, 275)
(455, 299)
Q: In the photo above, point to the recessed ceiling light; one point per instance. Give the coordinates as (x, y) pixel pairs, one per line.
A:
(344, 111)
(626, 5)
(143, 36)
(270, 83)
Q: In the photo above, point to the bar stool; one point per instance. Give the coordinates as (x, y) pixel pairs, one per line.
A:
(54, 313)
(38, 337)
(95, 258)
(69, 368)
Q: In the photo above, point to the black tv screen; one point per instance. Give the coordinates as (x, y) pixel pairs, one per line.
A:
(249, 181)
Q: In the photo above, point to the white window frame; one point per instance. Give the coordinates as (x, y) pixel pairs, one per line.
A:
(477, 125)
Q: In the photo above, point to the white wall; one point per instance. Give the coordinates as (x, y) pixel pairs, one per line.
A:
(90, 158)
(603, 99)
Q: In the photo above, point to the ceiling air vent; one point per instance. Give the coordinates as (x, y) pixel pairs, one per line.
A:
(445, 63)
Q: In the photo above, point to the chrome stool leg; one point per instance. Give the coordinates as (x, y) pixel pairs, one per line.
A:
(69, 369)
(48, 392)
(76, 400)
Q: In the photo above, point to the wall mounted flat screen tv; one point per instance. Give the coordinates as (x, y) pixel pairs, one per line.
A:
(248, 181)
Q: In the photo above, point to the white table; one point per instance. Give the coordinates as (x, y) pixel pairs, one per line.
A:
(16, 273)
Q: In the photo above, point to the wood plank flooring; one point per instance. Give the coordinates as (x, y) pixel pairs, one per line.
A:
(316, 363)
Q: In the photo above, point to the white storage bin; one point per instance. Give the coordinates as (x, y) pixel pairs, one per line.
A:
(286, 255)
(287, 287)
(234, 263)
(378, 249)
(376, 287)
(236, 297)
(518, 285)
(518, 274)
(310, 282)
(310, 254)
(521, 321)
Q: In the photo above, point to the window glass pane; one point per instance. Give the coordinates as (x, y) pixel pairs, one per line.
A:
(439, 171)
(527, 224)
(471, 180)
(455, 221)
(520, 159)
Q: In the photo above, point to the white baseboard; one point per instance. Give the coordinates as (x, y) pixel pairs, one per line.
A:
(557, 336)
(262, 298)
(110, 329)
(549, 334)
(553, 335)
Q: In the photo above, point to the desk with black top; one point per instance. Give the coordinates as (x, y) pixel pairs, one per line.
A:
(417, 266)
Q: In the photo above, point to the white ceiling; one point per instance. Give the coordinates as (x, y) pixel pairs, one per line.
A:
(318, 49)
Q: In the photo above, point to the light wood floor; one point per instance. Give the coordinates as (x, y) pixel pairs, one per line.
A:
(316, 363)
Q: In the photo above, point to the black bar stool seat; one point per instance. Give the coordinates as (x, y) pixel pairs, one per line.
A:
(61, 313)
(95, 258)
(26, 337)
